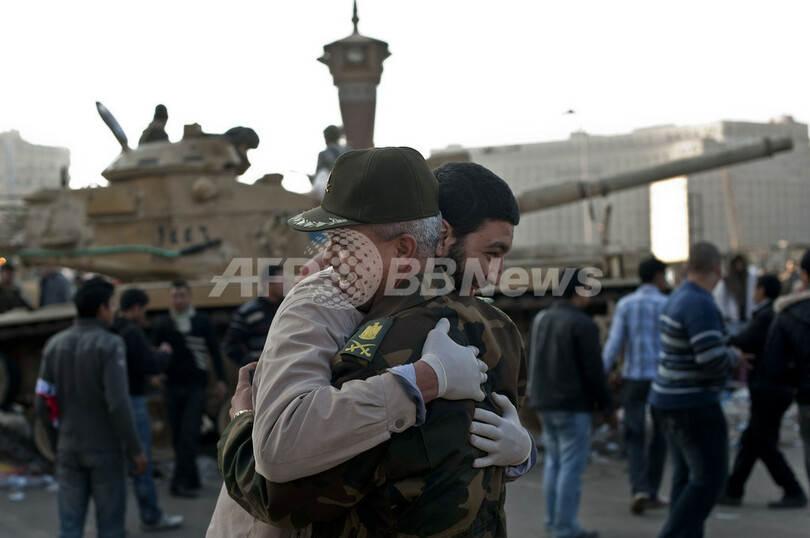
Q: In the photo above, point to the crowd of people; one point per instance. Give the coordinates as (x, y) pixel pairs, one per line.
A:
(377, 399)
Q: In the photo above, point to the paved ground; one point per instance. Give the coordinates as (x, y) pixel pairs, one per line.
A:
(604, 506)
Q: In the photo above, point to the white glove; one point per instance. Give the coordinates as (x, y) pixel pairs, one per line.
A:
(504, 439)
(459, 372)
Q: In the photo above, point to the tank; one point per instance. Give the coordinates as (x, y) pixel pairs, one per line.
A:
(170, 211)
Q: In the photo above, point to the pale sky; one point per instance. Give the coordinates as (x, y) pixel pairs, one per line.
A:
(468, 72)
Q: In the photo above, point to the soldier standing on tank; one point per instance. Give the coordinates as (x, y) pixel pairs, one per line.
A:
(327, 158)
(156, 130)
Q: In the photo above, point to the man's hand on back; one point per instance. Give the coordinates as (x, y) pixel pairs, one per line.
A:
(458, 372)
(503, 438)
(243, 395)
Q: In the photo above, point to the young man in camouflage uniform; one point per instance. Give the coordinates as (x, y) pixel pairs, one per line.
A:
(294, 390)
(396, 337)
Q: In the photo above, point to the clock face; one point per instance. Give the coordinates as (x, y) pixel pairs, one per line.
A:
(356, 55)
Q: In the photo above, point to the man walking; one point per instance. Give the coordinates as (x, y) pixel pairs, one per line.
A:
(142, 363)
(566, 387)
(786, 356)
(769, 401)
(636, 330)
(82, 389)
(190, 334)
(685, 395)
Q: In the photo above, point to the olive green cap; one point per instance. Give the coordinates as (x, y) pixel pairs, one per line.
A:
(374, 186)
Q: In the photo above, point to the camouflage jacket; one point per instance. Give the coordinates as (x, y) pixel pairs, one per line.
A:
(421, 482)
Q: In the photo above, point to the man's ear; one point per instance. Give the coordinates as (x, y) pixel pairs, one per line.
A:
(446, 239)
(406, 246)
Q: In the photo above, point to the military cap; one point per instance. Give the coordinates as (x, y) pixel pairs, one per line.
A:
(374, 186)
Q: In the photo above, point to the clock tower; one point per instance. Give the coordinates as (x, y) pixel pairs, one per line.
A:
(355, 63)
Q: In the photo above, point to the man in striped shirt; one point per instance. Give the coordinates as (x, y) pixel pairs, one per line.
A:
(685, 395)
(636, 330)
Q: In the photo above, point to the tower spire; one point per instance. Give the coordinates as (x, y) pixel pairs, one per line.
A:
(355, 18)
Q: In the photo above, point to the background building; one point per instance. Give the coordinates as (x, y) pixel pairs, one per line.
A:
(749, 205)
(26, 167)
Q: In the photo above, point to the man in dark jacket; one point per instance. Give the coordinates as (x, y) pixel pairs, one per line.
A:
(10, 296)
(566, 386)
(82, 390)
(142, 363)
(760, 440)
(190, 335)
(249, 326)
(786, 359)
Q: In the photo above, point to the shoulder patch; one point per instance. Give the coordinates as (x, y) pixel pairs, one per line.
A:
(366, 340)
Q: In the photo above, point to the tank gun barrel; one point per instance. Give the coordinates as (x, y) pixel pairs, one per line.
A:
(114, 126)
(557, 194)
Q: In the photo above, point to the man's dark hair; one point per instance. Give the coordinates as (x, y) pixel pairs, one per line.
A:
(805, 263)
(7, 267)
(469, 194)
(133, 297)
(91, 295)
(181, 284)
(771, 285)
(332, 134)
(650, 267)
(703, 258)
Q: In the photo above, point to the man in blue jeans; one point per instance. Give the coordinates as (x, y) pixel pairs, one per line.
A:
(82, 389)
(636, 330)
(566, 386)
(142, 363)
(685, 394)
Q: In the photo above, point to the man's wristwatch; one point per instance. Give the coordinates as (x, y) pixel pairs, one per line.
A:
(241, 412)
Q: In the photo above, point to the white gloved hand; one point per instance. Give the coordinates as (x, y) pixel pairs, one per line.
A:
(459, 372)
(504, 439)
